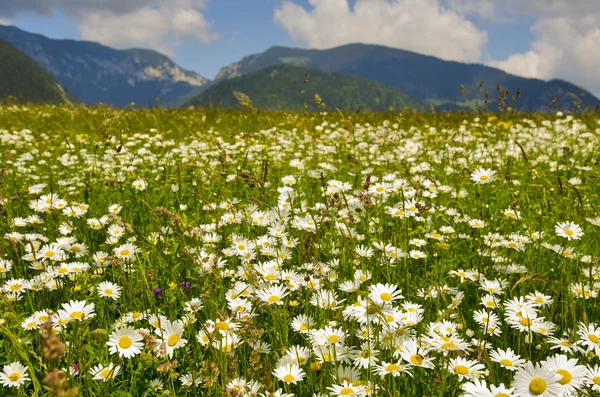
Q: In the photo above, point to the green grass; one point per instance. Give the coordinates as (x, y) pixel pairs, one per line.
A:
(203, 168)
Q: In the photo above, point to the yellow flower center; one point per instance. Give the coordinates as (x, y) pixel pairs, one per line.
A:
(173, 339)
(15, 376)
(76, 315)
(333, 339)
(461, 370)
(569, 232)
(303, 327)
(289, 378)
(108, 291)
(105, 373)
(124, 252)
(347, 391)
(526, 322)
(124, 342)
(392, 368)
(596, 380)
(449, 346)
(386, 297)
(537, 386)
(501, 395)
(417, 359)
(484, 177)
(539, 300)
(566, 343)
(566, 376)
(594, 338)
(506, 362)
(15, 287)
(273, 298)
(223, 326)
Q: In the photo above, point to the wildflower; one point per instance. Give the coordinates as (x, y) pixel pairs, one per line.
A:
(290, 373)
(105, 373)
(568, 230)
(109, 290)
(14, 375)
(347, 389)
(508, 359)
(573, 375)
(140, 184)
(482, 176)
(537, 380)
(77, 310)
(126, 342)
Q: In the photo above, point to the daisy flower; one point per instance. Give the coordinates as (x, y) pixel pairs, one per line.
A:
(390, 368)
(573, 375)
(347, 389)
(13, 375)
(592, 378)
(290, 373)
(273, 294)
(482, 176)
(414, 354)
(105, 373)
(539, 380)
(465, 368)
(589, 338)
(507, 358)
(568, 230)
(125, 341)
(384, 293)
(77, 310)
(171, 336)
(109, 290)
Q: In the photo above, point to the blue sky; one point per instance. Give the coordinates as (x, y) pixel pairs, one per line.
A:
(533, 38)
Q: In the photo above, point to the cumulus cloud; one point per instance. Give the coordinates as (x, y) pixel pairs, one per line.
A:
(564, 47)
(161, 29)
(506, 9)
(157, 24)
(424, 26)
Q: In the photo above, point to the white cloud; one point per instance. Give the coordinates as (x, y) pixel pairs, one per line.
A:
(423, 26)
(506, 9)
(156, 24)
(4, 21)
(160, 28)
(565, 47)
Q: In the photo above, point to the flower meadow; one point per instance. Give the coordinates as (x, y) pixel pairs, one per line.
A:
(158, 252)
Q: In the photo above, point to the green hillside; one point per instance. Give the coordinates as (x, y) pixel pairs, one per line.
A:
(428, 79)
(280, 87)
(24, 79)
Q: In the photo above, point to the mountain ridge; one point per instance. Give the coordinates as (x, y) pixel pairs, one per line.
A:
(97, 73)
(424, 77)
(25, 80)
(285, 87)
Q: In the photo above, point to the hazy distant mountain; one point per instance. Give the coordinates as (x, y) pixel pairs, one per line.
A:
(280, 87)
(429, 79)
(22, 78)
(95, 73)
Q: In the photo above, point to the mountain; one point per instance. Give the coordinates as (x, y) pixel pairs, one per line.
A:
(427, 78)
(22, 78)
(96, 73)
(280, 87)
